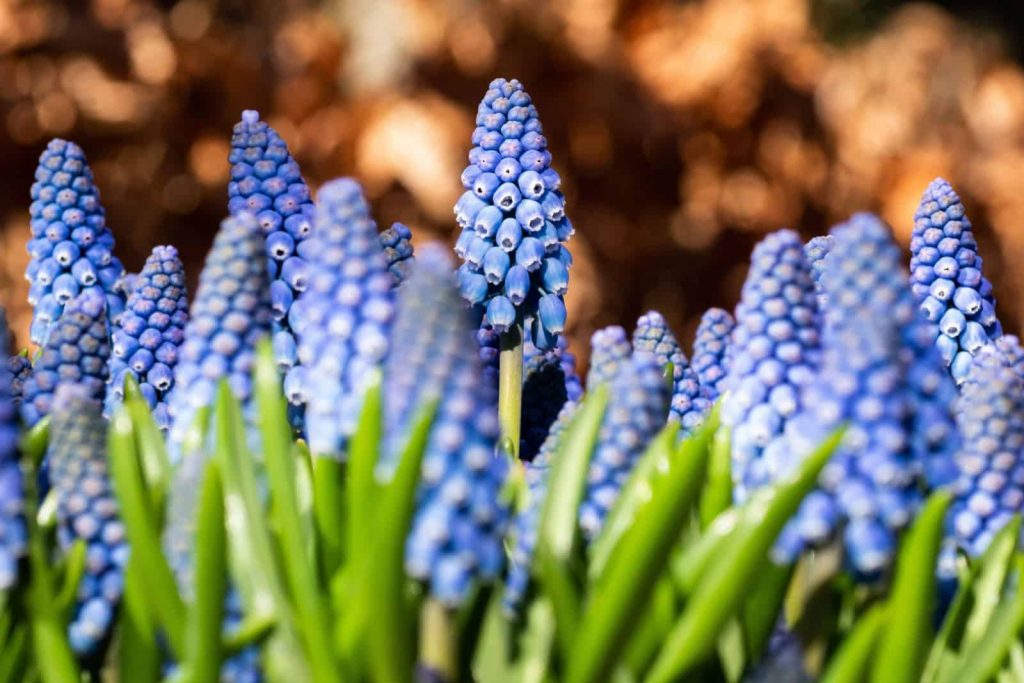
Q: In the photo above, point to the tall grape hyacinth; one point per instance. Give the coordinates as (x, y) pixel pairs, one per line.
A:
(636, 411)
(12, 521)
(816, 250)
(266, 182)
(231, 312)
(690, 403)
(147, 338)
(776, 354)
(345, 316)
(566, 358)
(609, 351)
(460, 519)
(20, 369)
(946, 275)
(990, 414)
(397, 244)
(513, 219)
(544, 394)
(77, 351)
(710, 348)
(87, 511)
(71, 250)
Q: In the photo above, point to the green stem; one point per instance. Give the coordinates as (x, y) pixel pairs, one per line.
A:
(510, 387)
(439, 643)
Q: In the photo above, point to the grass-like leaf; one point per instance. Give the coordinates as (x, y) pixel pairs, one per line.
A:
(852, 662)
(74, 568)
(138, 655)
(153, 458)
(206, 614)
(992, 574)
(717, 494)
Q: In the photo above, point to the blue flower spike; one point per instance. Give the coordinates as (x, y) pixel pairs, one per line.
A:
(346, 315)
(456, 539)
(690, 401)
(149, 334)
(72, 249)
(398, 250)
(946, 276)
(990, 414)
(77, 351)
(609, 351)
(710, 350)
(816, 250)
(513, 220)
(12, 523)
(776, 353)
(231, 312)
(545, 391)
(637, 410)
(566, 358)
(20, 369)
(87, 511)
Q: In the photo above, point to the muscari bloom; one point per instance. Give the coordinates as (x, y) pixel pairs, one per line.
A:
(544, 394)
(710, 348)
(637, 409)
(609, 350)
(775, 354)
(345, 315)
(513, 220)
(231, 312)
(76, 352)
(566, 358)
(20, 369)
(690, 402)
(946, 276)
(146, 340)
(12, 522)
(816, 250)
(397, 244)
(71, 250)
(990, 414)
(457, 532)
(87, 511)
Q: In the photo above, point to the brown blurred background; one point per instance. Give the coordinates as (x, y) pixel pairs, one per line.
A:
(683, 130)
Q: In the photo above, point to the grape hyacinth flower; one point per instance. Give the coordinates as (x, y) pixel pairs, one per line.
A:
(397, 244)
(71, 250)
(266, 182)
(345, 315)
(20, 369)
(231, 312)
(710, 348)
(566, 358)
(544, 394)
(609, 351)
(146, 340)
(946, 276)
(87, 510)
(76, 352)
(816, 250)
(489, 342)
(460, 519)
(12, 522)
(637, 409)
(776, 353)
(690, 403)
(513, 219)
(1009, 345)
(990, 486)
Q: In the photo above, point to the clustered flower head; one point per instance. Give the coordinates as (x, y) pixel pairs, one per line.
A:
(71, 250)
(20, 369)
(266, 182)
(816, 250)
(566, 358)
(775, 354)
(544, 394)
(87, 511)
(946, 272)
(12, 521)
(231, 312)
(990, 414)
(459, 525)
(690, 401)
(637, 409)
(76, 352)
(513, 220)
(710, 350)
(397, 243)
(344, 317)
(146, 340)
(609, 351)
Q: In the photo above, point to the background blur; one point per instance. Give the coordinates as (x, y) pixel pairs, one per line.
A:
(683, 130)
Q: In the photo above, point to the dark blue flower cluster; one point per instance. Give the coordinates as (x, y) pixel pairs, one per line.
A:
(544, 394)
(710, 350)
(690, 401)
(87, 511)
(231, 312)
(12, 522)
(513, 219)
(76, 352)
(946, 273)
(397, 243)
(146, 340)
(344, 317)
(816, 250)
(72, 250)
(20, 369)
(566, 358)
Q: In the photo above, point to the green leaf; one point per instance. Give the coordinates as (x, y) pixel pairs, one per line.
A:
(391, 628)
(722, 587)
(691, 564)
(988, 588)
(34, 442)
(620, 594)
(329, 512)
(310, 600)
(760, 612)
(717, 495)
(908, 631)
(142, 533)
(74, 568)
(13, 655)
(557, 584)
(852, 662)
(153, 458)
(654, 626)
(947, 642)
(138, 656)
(558, 523)
(361, 489)
(252, 632)
(206, 615)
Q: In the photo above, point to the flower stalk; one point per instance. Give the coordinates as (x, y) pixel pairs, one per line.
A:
(510, 387)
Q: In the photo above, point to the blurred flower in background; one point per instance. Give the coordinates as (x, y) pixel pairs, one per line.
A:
(683, 131)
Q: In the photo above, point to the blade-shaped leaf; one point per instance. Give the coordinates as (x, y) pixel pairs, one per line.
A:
(717, 494)
(852, 662)
(988, 588)
(206, 613)
(139, 656)
(153, 458)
